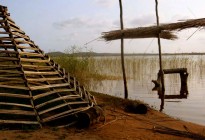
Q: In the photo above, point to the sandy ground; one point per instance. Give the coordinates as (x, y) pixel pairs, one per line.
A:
(119, 125)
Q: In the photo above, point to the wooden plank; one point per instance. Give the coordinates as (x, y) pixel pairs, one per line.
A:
(18, 122)
(7, 46)
(13, 24)
(31, 54)
(1, 15)
(21, 35)
(174, 97)
(173, 71)
(14, 87)
(34, 60)
(4, 32)
(11, 71)
(8, 52)
(15, 104)
(10, 75)
(29, 48)
(49, 86)
(41, 73)
(11, 79)
(52, 92)
(59, 99)
(2, 21)
(14, 95)
(5, 27)
(23, 42)
(10, 66)
(17, 30)
(45, 79)
(8, 58)
(53, 108)
(10, 19)
(6, 39)
(17, 112)
(69, 112)
(37, 67)
(12, 83)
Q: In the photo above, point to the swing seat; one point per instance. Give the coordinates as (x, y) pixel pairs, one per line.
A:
(184, 88)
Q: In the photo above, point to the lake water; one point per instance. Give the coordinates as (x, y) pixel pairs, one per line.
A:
(142, 69)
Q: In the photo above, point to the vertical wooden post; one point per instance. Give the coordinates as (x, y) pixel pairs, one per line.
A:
(160, 61)
(122, 52)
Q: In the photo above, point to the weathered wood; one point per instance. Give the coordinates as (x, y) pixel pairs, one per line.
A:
(12, 83)
(11, 75)
(10, 71)
(8, 59)
(9, 19)
(2, 21)
(174, 96)
(122, 52)
(45, 79)
(29, 48)
(35, 66)
(48, 86)
(18, 122)
(89, 117)
(14, 87)
(12, 79)
(21, 35)
(4, 32)
(52, 92)
(54, 108)
(17, 112)
(56, 99)
(160, 60)
(41, 73)
(34, 60)
(7, 46)
(9, 66)
(5, 27)
(6, 39)
(31, 54)
(13, 24)
(8, 52)
(16, 30)
(173, 71)
(14, 95)
(23, 42)
(16, 104)
(65, 113)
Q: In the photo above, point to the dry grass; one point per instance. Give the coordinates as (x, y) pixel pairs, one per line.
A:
(165, 30)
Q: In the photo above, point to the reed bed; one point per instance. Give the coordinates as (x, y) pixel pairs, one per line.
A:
(139, 68)
(165, 30)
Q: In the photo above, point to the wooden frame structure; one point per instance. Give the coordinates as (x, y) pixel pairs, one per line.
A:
(164, 31)
(184, 88)
(34, 90)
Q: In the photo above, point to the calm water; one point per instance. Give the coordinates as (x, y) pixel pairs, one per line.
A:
(141, 70)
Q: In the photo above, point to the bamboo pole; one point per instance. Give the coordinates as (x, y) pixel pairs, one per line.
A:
(122, 52)
(160, 60)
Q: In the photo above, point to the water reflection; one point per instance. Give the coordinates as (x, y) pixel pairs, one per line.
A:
(142, 70)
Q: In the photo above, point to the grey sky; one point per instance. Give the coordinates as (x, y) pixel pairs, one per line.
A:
(57, 25)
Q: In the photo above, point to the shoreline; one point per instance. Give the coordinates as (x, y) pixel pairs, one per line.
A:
(119, 125)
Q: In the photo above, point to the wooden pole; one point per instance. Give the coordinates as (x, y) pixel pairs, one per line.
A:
(122, 52)
(160, 60)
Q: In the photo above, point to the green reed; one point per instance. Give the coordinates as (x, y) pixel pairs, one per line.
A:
(139, 68)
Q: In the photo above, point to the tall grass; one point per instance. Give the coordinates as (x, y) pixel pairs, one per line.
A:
(139, 68)
(75, 64)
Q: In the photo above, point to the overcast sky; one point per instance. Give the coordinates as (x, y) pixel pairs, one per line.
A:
(56, 25)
